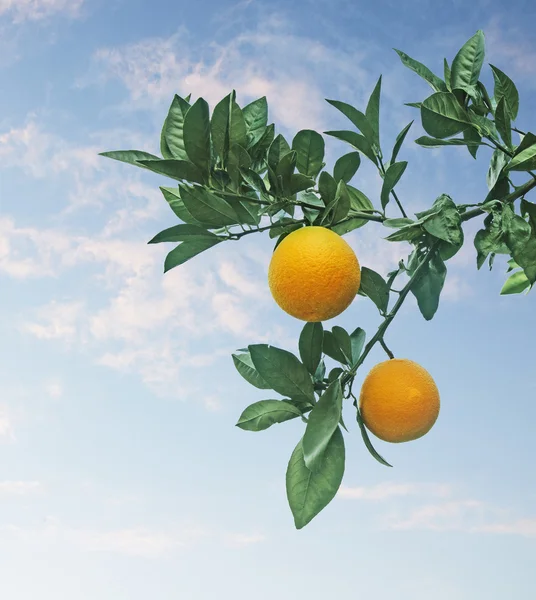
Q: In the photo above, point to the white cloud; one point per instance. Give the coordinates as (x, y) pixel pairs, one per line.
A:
(240, 540)
(19, 488)
(7, 432)
(387, 490)
(35, 10)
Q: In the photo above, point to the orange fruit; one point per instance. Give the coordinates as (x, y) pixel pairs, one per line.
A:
(399, 400)
(314, 274)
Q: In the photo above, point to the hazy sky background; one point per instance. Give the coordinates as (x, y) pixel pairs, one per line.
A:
(122, 475)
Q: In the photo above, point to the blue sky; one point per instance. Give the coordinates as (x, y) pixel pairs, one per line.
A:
(122, 474)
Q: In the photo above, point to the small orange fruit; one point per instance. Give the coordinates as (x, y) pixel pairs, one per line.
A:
(399, 401)
(314, 274)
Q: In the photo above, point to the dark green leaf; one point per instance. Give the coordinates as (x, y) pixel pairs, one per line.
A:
(208, 208)
(331, 347)
(498, 161)
(342, 337)
(428, 285)
(502, 122)
(356, 117)
(375, 287)
(181, 170)
(283, 371)
(278, 148)
(310, 345)
(346, 167)
(447, 74)
(358, 200)
(323, 421)
(467, 64)
(173, 129)
(181, 233)
(265, 413)
(197, 135)
(256, 117)
(244, 365)
(308, 493)
(391, 178)
(446, 223)
(505, 88)
(299, 183)
(428, 142)
(372, 112)
(515, 284)
(187, 250)
(396, 223)
(238, 160)
(173, 198)
(219, 125)
(357, 341)
(164, 148)
(131, 157)
(473, 140)
(442, 116)
(356, 140)
(525, 161)
(237, 126)
(348, 225)
(309, 146)
(435, 82)
(399, 141)
(327, 187)
(366, 439)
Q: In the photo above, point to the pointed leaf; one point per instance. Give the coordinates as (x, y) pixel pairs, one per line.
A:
(467, 64)
(207, 207)
(265, 413)
(323, 421)
(187, 250)
(174, 128)
(309, 493)
(131, 157)
(366, 439)
(442, 116)
(515, 284)
(256, 118)
(375, 287)
(330, 346)
(244, 365)
(525, 161)
(283, 371)
(219, 127)
(180, 170)
(391, 178)
(399, 141)
(502, 122)
(505, 88)
(357, 341)
(181, 233)
(372, 112)
(447, 74)
(356, 140)
(498, 162)
(357, 118)
(310, 345)
(428, 285)
(342, 337)
(346, 167)
(197, 135)
(437, 84)
(309, 146)
(278, 148)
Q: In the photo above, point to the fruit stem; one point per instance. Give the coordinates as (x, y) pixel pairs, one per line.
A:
(387, 351)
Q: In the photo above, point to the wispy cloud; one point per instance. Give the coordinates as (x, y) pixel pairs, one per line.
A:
(386, 490)
(36, 10)
(7, 432)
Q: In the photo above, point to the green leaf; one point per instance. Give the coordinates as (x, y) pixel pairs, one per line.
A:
(339, 207)
(256, 118)
(473, 140)
(407, 233)
(502, 122)
(442, 116)
(207, 207)
(346, 167)
(505, 88)
(357, 341)
(342, 337)
(278, 148)
(428, 142)
(529, 208)
(299, 183)
(515, 284)
(265, 413)
(244, 365)
(391, 178)
(327, 187)
(356, 117)
(356, 140)
(310, 345)
(180, 170)
(173, 198)
(131, 157)
(285, 169)
(358, 200)
(372, 112)
(396, 223)
(348, 225)
(308, 493)
(498, 162)
(188, 249)
(521, 240)
(181, 233)
(197, 135)
(164, 148)
(219, 125)
(428, 285)
(524, 161)
(283, 371)
(414, 104)
(309, 146)
(173, 130)
(399, 141)
(366, 439)
(434, 81)
(259, 150)
(375, 287)
(238, 160)
(331, 347)
(446, 223)
(447, 74)
(323, 421)
(237, 126)
(467, 64)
